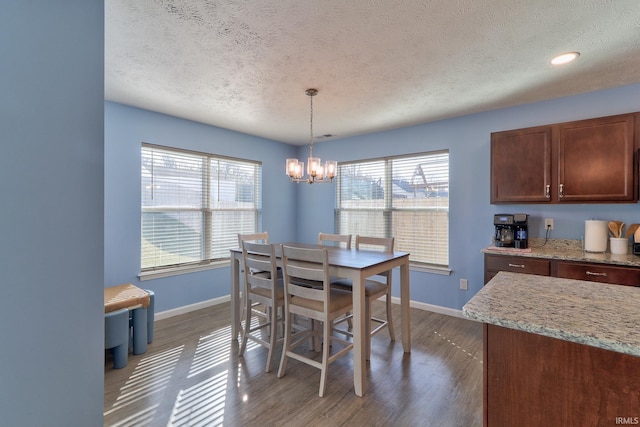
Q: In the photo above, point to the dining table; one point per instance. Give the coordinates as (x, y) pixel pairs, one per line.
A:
(356, 265)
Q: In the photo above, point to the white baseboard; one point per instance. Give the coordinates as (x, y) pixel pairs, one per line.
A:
(191, 307)
(431, 307)
(395, 300)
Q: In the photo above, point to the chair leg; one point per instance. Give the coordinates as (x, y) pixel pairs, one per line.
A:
(325, 357)
(367, 330)
(285, 345)
(247, 326)
(273, 328)
(120, 355)
(392, 333)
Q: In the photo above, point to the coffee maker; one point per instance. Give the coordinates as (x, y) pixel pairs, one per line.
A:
(511, 230)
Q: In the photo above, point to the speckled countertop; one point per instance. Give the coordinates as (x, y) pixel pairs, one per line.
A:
(568, 250)
(595, 314)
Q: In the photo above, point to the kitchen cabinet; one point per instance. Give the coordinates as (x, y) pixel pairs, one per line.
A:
(495, 263)
(521, 166)
(534, 380)
(585, 161)
(597, 273)
(558, 352)
(592, 272)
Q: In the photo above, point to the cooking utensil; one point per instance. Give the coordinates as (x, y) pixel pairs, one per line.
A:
(613, 228)
(631, 230)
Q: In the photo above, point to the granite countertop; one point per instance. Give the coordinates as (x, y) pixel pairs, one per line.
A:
(568, 250)
(590, 313)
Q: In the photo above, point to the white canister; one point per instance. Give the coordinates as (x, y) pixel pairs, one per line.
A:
(595, 235)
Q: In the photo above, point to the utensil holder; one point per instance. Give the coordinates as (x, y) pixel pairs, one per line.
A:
(619, 245)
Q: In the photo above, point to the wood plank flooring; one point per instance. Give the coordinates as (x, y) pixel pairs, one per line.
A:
(191, 375)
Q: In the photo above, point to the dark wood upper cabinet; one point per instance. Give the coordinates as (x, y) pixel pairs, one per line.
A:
(521, 166)
(595, 160)
(586, 161)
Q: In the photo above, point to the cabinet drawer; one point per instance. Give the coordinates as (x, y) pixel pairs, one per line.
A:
(517, 264)
(599, 273)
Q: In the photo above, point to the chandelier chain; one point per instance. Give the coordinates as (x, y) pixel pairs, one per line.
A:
(311, 126)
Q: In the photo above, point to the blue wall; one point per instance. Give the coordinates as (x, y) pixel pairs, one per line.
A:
(125, 129)
(299, 212)
(51, 211)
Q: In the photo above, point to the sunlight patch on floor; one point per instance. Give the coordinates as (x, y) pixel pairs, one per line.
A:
(150, 376)
(202, 404)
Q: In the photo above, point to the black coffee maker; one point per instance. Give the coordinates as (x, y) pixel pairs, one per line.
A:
(511, 230)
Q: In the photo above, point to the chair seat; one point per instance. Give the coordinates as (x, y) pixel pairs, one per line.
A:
(371, 287)
(264, 292)
(339, 300)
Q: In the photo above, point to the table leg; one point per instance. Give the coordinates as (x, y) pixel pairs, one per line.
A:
(404, 307)
(359, 341)
(139, 316)
(235, 296)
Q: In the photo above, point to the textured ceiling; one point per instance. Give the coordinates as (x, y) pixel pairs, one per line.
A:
(378, 64)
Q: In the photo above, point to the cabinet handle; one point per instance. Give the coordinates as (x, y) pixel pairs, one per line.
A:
(591, 273)
(547, 192)
(517, 265)
(561, 191)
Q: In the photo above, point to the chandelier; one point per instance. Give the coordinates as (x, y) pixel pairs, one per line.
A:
(315, 170)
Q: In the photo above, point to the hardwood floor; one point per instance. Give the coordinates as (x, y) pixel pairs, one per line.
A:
(191, 376)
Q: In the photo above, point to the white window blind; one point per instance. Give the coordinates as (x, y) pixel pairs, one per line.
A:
(194, 205)
(406, 197)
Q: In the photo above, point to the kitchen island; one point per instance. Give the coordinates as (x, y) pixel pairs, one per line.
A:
(558, 351)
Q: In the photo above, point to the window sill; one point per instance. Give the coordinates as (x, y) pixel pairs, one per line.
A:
(444, 271)
(175, 271)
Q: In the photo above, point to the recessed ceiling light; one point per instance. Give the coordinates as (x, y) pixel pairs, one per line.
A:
(564, 58)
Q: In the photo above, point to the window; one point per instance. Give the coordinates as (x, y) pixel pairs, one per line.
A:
(194, 205)
(406, 197)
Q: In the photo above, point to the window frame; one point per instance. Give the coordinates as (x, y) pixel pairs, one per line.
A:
(208, 210)
(389, 210)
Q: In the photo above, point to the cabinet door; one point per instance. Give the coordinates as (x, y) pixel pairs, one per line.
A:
(521, 165)
(599, 273)
(595, 160)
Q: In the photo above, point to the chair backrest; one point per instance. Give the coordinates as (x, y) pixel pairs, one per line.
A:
(382, 244)
(302, 266)
(262, 258)
(253, 237)
(326, 239)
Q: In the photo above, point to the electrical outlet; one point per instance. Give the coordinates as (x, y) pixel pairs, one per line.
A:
(548, 223)
(464, 284)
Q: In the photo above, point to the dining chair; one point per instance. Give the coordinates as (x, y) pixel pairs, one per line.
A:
(342, 240)
(253, 237)
(337, 240)
(266, 290)
(375, 287)
(321, 303)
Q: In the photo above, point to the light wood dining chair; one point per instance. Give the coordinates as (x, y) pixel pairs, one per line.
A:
(253, 237)
(375, 287)
(320, 303)
(337, 240)
(341, 240)
(266, 290)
